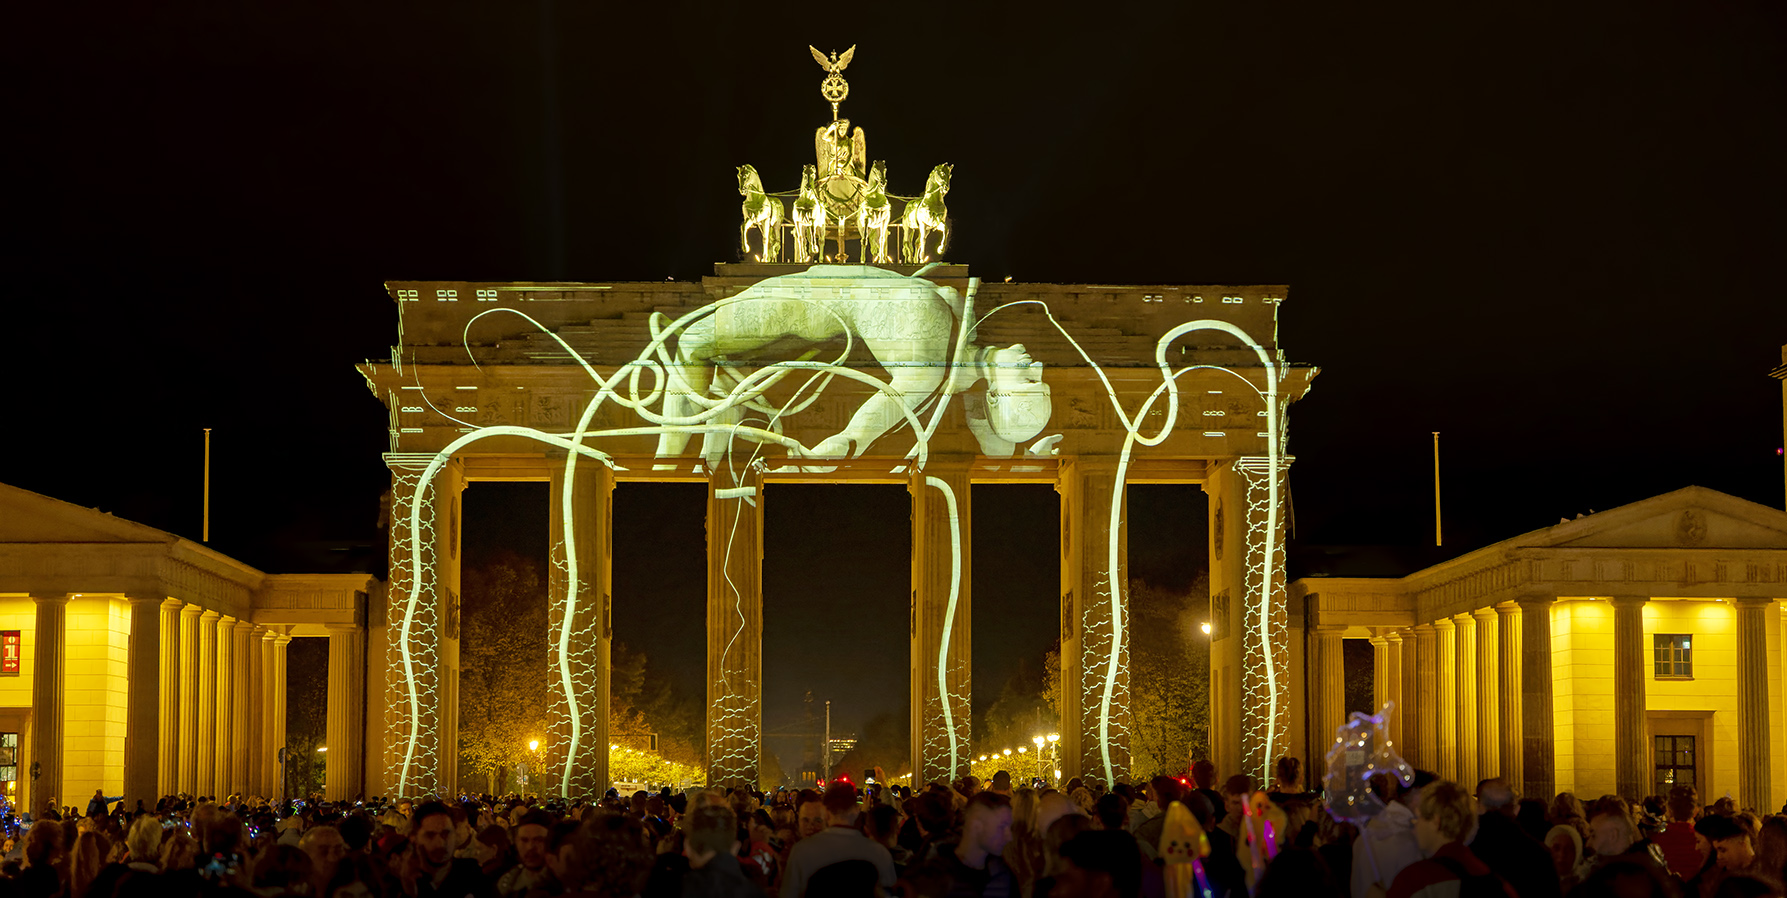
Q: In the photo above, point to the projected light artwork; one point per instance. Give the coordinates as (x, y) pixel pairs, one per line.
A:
(682, 385)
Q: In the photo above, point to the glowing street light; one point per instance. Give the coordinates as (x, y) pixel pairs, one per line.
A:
(533, 745)
(1205, 626)
(321, 749)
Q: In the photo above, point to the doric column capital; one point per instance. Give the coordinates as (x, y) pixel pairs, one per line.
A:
(58, 599)
(1753, 601)
(190, 610)
(1330, 631)
(1484, 614)
(1532, 602)
(209, 617)
(1629, 601)
(1424, 629)
(1444, 625)
(1394, 637)
(143, 598)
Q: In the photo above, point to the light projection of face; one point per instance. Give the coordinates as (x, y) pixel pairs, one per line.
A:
(1016, 402)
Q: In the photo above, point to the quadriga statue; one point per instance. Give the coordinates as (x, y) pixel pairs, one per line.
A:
(907, 323)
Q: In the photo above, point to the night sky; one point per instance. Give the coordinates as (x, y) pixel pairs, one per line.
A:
(1552, 232)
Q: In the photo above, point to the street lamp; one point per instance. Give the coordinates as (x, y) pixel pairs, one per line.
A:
(321, 748)
(1205, 626)
(533, 745)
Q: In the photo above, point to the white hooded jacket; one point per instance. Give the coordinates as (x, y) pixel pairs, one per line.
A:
(1385, 847)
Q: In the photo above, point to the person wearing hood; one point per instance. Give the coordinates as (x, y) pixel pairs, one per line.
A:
(1387, 843)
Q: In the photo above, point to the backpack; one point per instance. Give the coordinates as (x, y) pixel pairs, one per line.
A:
(1488, 885)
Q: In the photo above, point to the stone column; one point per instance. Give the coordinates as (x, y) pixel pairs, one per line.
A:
(1538, 759)
(579, 631)
(1331, 712)
(421, 717)
(225, 782)
(941, 619)
(1508, 718)
(1095, 720)
(1393, 684)
(189, 699)
(205, 786)
(346, 712)
(240, 727)
(1446, 696)
(1411, 698)
(1265, 621)
(1630, 778)
(257, 712)
(1465, 655)
(280, 643)
(143, 698)
(271, 738)
(1753, 782)
(734, 628)
(49, 692)
(1380, 670)
(1488, 707)
(1427, 701)
(167, 726)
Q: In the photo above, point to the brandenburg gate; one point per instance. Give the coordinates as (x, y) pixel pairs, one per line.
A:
(838, 352)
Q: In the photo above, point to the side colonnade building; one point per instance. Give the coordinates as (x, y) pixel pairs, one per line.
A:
(137, 663)
(1623, 652)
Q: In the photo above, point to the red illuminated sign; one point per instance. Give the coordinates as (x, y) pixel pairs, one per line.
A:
(9, 653)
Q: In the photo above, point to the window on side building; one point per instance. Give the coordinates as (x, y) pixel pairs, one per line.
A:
(1674, 656)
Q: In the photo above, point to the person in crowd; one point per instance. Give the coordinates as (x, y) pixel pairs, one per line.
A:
(1296, 873)
(96, 806)
(973, 866)
(1203, 781)
(85, 862)
(1111, 811)
(1771, 849)
(1287, 782)
(1001, 784)
(1098, 864)
(882, 824)
(1565, 846)
(810, 813)
(1507, 849)
(607, 855)
(430, 870)
(840, 840)
(1613, 838)
(1444, 816)
(326, 848)
(1058, 833)
(1676, 840)
(1388, 845)
(1236, 791)
(711, 847)
(530, 871)
(1166, 791)
(1731, 853)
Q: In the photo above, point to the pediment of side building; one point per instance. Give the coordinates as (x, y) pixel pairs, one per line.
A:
(1692, 518)
(28, 517)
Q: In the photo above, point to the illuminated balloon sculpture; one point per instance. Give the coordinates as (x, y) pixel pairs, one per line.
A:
(1362, 749)
(1183, 845)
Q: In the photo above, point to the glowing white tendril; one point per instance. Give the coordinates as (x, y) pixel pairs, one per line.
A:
(949, 614)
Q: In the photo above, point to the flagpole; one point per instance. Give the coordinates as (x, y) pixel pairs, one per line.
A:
(205, 536)
(1436, 488)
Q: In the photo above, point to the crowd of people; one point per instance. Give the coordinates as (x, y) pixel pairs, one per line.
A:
(1434, 839)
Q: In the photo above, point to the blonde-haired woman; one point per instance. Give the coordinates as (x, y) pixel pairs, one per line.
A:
(84, 864)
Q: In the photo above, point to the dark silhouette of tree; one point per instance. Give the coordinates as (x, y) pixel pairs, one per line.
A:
(502, 658)
(306, 715)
